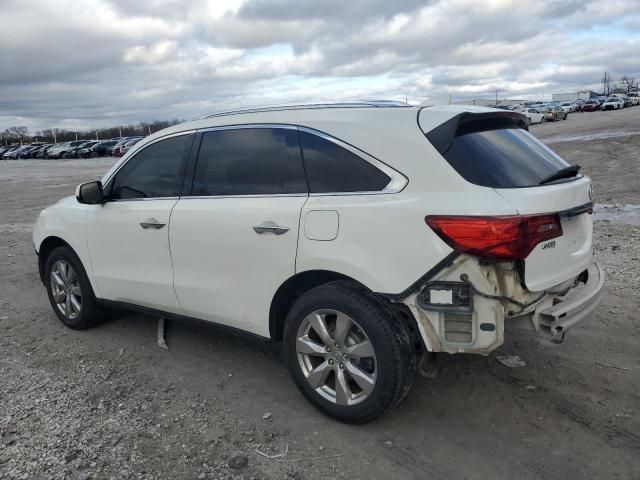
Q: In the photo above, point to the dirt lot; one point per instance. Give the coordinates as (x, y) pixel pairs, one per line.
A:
(108, 403)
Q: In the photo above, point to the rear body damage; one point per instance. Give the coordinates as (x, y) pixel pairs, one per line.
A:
(487, 298)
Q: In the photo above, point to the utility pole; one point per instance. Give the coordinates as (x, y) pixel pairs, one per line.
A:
(496, 96)
(120, 129)
(149, 127)
(97, 135)
(76, 136)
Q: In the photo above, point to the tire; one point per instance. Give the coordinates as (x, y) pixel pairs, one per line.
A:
(77, 284)
(377, 352)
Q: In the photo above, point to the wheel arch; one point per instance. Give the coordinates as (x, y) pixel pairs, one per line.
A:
(46, 247)
(292, 289)
(297, 285)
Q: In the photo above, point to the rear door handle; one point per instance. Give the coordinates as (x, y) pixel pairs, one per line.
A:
(152, 223)
(270, 227)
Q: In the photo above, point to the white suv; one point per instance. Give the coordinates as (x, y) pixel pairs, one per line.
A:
(356, 237)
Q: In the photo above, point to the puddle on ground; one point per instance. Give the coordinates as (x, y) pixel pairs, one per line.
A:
(590, 136)
(625, 214)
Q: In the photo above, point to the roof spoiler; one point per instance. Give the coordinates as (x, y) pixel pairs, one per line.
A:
(442, 136)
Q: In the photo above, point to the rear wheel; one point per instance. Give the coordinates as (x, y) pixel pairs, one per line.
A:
(70, 292)
(349, 354)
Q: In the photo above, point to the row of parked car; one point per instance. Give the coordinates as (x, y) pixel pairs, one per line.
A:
(115, 147)
(553, 111)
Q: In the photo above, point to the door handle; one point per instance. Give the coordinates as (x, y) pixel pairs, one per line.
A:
(152, 223)
(270, 227)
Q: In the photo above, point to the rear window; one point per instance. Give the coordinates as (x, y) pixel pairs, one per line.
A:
(502, 158)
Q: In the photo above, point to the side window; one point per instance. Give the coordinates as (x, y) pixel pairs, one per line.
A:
(249, 161)
(156, 171)
(333, 169)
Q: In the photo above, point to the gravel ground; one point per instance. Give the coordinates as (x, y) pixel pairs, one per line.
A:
(108, 403)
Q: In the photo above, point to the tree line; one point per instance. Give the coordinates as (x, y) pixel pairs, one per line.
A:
(625, 85)
(21, 134)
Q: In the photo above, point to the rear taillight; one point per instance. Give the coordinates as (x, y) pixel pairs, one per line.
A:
(496, 238)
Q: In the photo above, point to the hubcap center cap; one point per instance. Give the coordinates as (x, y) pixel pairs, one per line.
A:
(337, 356)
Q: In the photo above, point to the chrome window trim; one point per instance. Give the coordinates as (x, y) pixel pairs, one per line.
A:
(266, 195)
(396, 184)
(144, 199)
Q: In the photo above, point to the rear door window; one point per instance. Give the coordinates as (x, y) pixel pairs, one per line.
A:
(502, 158)
(249, 161)
(334, 169)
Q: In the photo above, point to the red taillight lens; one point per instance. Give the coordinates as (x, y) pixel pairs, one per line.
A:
(496, 238)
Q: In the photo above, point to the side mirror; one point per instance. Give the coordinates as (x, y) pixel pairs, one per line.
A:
(90, 193)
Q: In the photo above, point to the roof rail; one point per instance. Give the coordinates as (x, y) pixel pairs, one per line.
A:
(275, 108)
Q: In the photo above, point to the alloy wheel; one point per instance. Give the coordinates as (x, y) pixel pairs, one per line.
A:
(65, 288)
(336, 357)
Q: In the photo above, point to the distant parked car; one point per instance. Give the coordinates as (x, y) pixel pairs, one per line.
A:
(568, 107)
(533, 114)
(43, 151)
(61, 148)
(97, 150)
(127, 146)
(7, 149)
(15, 153)
(26, 153)
(613, 103)
(591, 105)
(73, 152)
(552, 114)
(33, 151)
(627, 102)
(116, 148)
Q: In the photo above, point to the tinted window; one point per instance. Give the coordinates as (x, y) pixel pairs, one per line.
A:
(502, 158)
(155, 171)
(331, 168)
(249, 161)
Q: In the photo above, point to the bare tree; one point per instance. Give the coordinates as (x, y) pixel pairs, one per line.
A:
(628, 84)
(18, 133)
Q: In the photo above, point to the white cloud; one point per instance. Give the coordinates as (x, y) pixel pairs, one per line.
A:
(99, 62)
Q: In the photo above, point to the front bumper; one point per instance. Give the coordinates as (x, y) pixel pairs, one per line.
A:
(553, 321)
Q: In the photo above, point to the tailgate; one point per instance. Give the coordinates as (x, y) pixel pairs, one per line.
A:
(555, 261)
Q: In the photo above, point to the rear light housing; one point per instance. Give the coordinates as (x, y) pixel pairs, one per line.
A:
(502, 238)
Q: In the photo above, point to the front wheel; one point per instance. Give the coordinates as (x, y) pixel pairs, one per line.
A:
(349, 353)
(70, 292)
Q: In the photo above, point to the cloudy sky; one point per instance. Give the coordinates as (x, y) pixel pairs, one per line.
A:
(94, 63)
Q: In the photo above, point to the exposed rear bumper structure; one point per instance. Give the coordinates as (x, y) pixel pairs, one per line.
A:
(573, 307)
(566, 311)
(489, 313)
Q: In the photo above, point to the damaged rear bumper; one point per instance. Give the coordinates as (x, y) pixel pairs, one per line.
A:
(553, 320)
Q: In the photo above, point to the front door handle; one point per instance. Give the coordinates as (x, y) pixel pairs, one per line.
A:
(152, 223)
(270, 227)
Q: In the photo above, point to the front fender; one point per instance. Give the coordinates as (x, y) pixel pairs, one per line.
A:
(65, 220)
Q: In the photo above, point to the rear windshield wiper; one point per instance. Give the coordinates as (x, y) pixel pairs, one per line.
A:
(566, 172)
